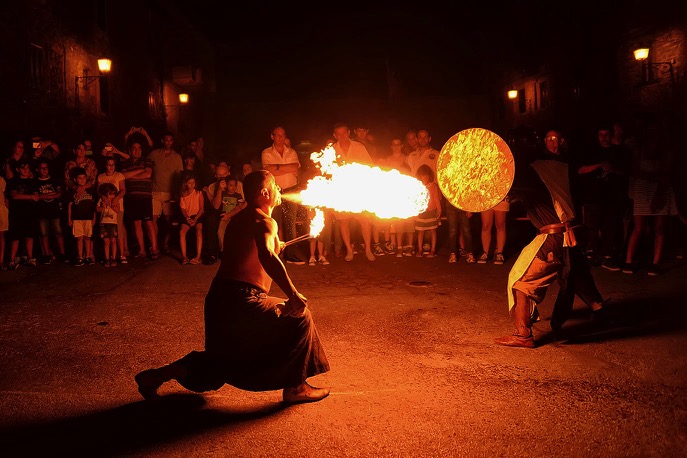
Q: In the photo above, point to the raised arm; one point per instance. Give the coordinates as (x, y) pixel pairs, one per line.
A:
(267, 242)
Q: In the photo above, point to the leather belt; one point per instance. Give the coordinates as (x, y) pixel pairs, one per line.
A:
(558, 228)
(243, 287)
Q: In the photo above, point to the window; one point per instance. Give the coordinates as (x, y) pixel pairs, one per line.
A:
(101, 15)
(104, 86)
(522, 101)
(36, 61)
(543, 95)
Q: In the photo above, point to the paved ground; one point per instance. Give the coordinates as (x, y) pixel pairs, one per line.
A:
(414, 368)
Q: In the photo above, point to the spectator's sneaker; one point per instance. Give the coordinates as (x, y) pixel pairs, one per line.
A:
(79, 262)
(13, 265)
(629, 268)
(498, 259)
(483, 259)
(470, 258)
(32, 262)
(609, 264)
(389, 248)
(123, 260)
(47, 260)
(399, 253)
(210, 260)
(312, 261)
(654, 270)
(407, 251)
(462, 252)
(322, 260)
(88, 261)
(295, 260)
(377, 249)
(452, 258)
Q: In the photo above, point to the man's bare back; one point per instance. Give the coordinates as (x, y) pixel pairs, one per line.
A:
(240, 259)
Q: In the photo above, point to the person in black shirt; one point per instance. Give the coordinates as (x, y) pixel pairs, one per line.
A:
(542, 187)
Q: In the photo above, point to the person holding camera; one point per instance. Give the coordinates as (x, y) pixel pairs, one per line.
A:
(214, 193)
(111, 151)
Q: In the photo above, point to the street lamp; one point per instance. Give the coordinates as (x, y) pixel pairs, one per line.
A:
(104, 66)
(183, 100)
(650, 68)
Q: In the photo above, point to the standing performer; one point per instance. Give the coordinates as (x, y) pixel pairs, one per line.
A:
(253, 341)
(543, 188)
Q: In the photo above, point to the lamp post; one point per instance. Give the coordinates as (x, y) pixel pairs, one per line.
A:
(650, 69)
(104, 66)
(183, 100)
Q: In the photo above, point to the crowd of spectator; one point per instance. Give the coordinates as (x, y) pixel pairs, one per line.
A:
(80, 206)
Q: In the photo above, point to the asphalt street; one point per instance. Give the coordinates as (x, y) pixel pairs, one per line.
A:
(414, 370)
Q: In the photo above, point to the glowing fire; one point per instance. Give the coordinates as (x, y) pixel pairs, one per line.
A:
(317, 223)
(475, 169)
(359, 188)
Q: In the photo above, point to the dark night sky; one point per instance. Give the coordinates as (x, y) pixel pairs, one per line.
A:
(288, 52)
(428, 45)
(434, 47)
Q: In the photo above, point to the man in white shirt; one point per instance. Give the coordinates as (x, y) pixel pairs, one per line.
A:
(349, 151)
(282, 162)
(424, 154)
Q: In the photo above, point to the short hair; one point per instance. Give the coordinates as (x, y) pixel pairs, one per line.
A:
(253, 183)
(76, 171)
(424, 169)
(106, 188)
(21, 163)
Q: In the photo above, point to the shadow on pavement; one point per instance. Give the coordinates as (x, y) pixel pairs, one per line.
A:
(626, 319)
(126, 429)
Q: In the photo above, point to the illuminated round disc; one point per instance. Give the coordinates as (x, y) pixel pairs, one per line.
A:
(475, 169)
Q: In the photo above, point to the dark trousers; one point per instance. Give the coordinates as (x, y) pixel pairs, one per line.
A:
(285, 215)
(458, 221)
(210, 226)
(605, 223)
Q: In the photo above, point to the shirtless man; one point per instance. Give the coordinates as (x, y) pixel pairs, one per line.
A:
(253, 341)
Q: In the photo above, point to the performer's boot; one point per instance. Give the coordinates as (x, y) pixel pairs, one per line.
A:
(522, 315)
(150, 380)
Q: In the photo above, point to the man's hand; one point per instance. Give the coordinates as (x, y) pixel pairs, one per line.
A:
(294, 307)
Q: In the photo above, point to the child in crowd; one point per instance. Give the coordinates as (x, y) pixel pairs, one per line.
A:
(192, 207)
(429, 219)
(81, 216)
(232, 203)
(49, 209)
(108, 209)
(118, 180)
(23, 219)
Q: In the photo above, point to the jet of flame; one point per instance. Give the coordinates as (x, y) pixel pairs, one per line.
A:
(317, 223)
(358, 188)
